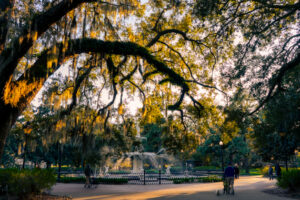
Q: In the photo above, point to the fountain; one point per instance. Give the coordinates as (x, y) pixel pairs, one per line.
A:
(168, 170)
(138, 157)
(106, 168)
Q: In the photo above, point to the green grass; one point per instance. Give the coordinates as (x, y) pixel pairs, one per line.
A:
(252, 172)
(209, 179)
(206, 168)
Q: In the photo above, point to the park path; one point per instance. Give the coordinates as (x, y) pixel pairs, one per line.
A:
(246, 188)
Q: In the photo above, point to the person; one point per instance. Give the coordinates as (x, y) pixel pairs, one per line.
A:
(229, 178)
(270, 172)
(278, 170)
(87, 173)
(236, 171)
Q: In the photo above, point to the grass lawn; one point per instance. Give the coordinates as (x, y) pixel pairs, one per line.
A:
(252, 172)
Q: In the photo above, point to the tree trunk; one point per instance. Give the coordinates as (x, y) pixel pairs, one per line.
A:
(8, 117)
(246, 165)
(48, 165)
(25, 151)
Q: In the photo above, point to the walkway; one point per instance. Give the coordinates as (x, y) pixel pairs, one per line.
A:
(246, 188)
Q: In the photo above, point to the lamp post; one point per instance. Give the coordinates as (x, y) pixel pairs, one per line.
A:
(221, 146)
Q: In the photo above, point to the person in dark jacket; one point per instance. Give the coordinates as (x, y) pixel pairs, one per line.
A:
(236, 171)
(229, 177)
(87, 173)
(270, 172)
(278, 170)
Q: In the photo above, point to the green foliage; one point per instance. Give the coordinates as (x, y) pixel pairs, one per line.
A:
(206, 168)
(265, 170)
(119, 172)
(176, 169)
(25, 183)
(208, 179)
(96, 180)
(153, 133)
(252, 172)
(290, 179)
(152, 171)
(80, 179)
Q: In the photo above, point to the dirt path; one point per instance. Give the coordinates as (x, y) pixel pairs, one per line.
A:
(246, 188)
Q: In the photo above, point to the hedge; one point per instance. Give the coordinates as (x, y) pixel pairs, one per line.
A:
(208, 179)
(96, 180)
(26, 183)
(290, 179)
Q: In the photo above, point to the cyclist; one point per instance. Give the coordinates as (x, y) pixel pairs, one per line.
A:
(229, 179)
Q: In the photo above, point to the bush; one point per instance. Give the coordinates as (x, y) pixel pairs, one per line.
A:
(175, 170)
(208, 179)
(96, 180)
(80, 179)
(119, 172)
(111, 180)
(290, 179)
(152, 171)
(252, 172)
(200, 168)
(26, 183)
(265, 171)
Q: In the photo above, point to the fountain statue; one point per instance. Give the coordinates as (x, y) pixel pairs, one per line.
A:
(138, 157)
(106, 168)
(168, 170)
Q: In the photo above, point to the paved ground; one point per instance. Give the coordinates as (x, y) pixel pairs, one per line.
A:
(246, 188)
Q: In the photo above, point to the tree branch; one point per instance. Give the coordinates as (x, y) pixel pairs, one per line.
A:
(5, 8)
(38, 73)
(183, 34)
(78, 82)
(277, 81)
(284, 7)
(10, 56)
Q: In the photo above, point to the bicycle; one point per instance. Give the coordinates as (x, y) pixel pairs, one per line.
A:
(228, 186)
(91, 184)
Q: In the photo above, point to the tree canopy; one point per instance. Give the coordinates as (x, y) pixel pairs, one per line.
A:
(191, 50)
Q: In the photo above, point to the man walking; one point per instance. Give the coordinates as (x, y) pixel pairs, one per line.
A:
(270, 172)
(278, 170)
(87, 173)
(229, 179)
(236, 171)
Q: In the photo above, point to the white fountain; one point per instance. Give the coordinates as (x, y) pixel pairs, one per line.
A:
(138, 157)
(168, 170)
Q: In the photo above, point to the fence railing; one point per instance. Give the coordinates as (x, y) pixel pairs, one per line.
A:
(148, 178)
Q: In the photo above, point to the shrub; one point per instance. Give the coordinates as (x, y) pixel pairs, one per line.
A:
(252, 172)
(119, 172)
(80, 179)
(26, 183)
(199, 168)
(290, 179)
(175, 170)
(152, 171)
(265, 170)
(96, 180)
(112, 180)
(208, 179)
